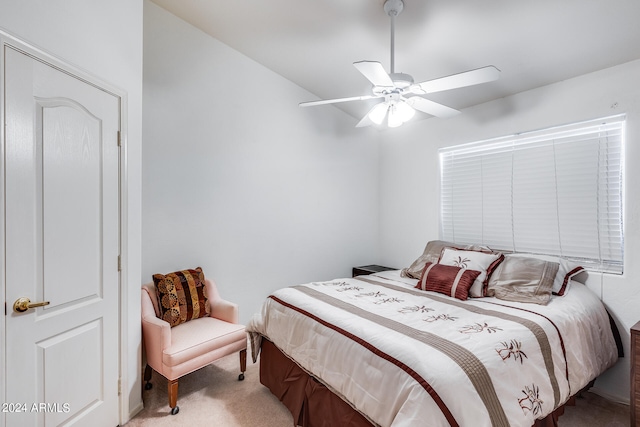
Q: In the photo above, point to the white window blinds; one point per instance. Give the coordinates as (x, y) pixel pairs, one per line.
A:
(556, 192)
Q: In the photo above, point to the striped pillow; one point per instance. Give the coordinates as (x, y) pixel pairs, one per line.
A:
(523, 279)
(181, 296)
(447, 279)
(567, 272)
(484, 262)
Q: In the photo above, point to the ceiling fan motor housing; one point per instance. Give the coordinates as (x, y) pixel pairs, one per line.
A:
(401, 80)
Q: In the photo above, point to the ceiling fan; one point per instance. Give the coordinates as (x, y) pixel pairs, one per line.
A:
(401, 95)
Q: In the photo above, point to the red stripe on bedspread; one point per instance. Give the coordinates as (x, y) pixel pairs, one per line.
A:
(434, 395)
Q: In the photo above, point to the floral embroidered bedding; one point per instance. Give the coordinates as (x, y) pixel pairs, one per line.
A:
(404, 356)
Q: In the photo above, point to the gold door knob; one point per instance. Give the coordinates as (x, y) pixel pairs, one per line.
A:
(23, 304)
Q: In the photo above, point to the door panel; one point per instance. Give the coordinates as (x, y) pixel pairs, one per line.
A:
(58, 356)
(62, 245)
(72, 195)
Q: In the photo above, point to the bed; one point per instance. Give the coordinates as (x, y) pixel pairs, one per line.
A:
(379, 350)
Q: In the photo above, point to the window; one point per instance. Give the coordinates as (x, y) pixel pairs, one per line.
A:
(557, 191)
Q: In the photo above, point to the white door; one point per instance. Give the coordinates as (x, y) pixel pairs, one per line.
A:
(61, 246)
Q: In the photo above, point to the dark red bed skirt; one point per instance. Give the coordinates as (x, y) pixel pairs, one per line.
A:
(314, 405)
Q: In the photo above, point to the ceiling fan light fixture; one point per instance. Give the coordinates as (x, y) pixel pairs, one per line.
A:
(404, 111)
(377, 113)
(394, 120)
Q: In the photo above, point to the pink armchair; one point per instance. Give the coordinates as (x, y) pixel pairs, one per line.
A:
(175, 352)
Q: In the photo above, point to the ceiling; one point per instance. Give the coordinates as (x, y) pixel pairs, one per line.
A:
(314, 43)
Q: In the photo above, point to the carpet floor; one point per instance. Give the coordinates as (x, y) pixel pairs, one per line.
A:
(214, 396)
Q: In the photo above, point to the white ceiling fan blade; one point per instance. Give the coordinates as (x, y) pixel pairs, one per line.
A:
(467, 78)
(432, 108)
(374, 72)
(334, 101)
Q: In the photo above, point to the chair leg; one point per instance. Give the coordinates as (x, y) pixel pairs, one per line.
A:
(243, 364)
(172, 386)
(147, 377)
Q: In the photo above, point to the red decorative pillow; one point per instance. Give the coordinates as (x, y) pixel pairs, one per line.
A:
(484, 262)
(447, 279)
(181, 296)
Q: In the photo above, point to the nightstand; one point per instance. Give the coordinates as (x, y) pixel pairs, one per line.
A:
(369, 269)
(635, 374)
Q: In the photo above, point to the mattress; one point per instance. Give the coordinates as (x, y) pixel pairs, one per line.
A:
(404, 357)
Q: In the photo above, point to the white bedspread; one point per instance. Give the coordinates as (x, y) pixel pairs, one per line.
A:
(406, 357)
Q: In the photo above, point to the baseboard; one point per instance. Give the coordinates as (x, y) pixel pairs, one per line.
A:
(133, 412)
(617, 399)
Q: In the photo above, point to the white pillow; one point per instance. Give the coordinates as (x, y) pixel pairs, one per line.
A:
(567, 271)
(472, 260)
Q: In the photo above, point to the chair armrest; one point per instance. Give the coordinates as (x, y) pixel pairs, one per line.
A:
(220, 308)
(224, 310)
(156, 333)
(157, 337)
(159, 329)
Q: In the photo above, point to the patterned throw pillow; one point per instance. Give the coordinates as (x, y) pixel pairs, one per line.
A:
(484, 262)
(568, 272)
(181, 296)
(431, 253)
(523, 279)
(447, 279)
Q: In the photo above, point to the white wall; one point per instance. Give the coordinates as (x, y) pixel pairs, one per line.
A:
(103, 37)
(239, 180)
(409, 179)
(262, 194)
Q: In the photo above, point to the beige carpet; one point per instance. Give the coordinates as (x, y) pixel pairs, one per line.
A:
(213, 396)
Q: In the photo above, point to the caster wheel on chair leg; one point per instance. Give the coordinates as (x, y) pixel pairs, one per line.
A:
(241, 377)
(175, 410)
(148, 386)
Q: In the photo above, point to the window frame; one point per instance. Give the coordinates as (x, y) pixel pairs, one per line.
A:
(605, 137)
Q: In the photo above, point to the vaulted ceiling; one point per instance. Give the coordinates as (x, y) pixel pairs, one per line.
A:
(314, 43)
